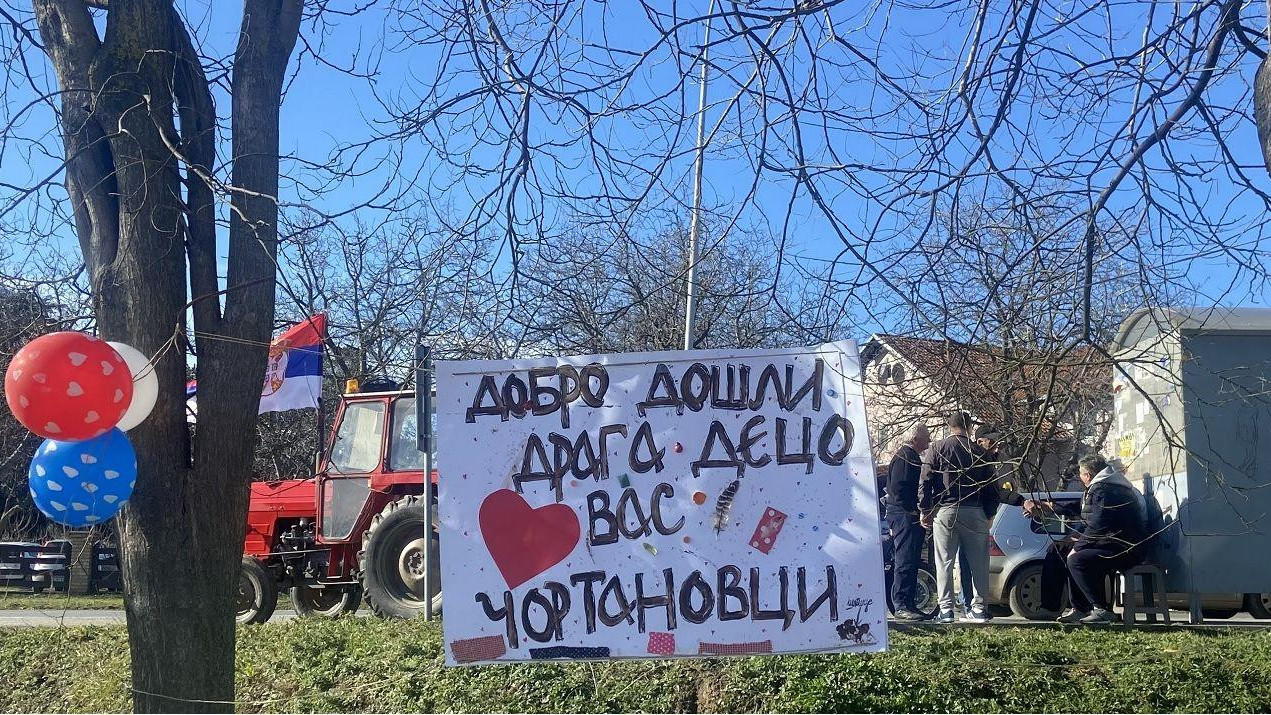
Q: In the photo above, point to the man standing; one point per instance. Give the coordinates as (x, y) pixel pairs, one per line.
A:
(988, 440)
(955, 508)
(903, 521)
(985, 451)
(1112, 540)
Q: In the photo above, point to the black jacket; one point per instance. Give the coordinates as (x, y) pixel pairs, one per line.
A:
(958, 476)
(902, 480)
(986, 466)
(1111, 512)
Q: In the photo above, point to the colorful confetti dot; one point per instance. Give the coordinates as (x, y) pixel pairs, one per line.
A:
(699, 498)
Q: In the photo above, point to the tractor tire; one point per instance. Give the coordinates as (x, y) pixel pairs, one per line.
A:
(1025, 594)
(327, 602)
(392, 561)
(257, 592)
(1258, 605)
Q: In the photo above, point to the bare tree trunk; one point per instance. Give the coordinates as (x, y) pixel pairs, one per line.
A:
(181, 534)
(1262, 108)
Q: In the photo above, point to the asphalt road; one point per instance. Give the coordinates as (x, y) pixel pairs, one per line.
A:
(22, 618)
(56, 618)
(1241, 620)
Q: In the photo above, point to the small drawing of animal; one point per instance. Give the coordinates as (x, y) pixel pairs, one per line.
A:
(850, 629)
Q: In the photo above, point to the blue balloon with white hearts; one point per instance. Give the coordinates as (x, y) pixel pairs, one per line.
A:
(83, 483)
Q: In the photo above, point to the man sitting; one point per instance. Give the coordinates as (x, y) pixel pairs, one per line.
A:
(1113, 539)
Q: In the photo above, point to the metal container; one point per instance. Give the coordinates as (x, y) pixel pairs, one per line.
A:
(1192, 424)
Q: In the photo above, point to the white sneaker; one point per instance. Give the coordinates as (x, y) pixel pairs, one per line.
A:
(1099, 616)
(1072, 615)
(976, 615)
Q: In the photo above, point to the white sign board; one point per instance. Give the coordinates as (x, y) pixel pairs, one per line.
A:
(652, 505)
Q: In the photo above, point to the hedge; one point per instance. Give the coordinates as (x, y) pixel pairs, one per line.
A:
(366, 664)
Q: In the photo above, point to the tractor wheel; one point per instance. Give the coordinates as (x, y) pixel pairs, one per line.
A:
(257, 592)
(392, 561)
(329, 602)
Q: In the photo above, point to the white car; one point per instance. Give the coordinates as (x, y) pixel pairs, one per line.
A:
(1017, 547)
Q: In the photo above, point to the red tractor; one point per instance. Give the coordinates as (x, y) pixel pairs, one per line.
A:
(355, 530)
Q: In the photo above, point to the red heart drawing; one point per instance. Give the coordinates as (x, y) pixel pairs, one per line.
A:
(524, 541)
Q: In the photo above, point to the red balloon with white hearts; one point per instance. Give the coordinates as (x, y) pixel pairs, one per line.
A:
(68, 386)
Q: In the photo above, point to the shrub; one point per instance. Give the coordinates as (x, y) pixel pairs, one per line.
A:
(372, 665)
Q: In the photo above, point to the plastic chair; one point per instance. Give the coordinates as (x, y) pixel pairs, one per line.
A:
(1154, 600)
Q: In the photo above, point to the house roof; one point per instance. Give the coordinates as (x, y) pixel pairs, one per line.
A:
(1003, 387)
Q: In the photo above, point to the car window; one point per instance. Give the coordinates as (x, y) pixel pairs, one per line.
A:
(1056, 525)
(357, 442)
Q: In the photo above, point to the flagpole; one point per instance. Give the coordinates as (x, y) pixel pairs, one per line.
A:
(320, 419)
(322, 440)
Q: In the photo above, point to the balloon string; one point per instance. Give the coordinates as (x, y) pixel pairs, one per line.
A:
(203, 701)
(171, 342)
(231, 339)
(154, 359)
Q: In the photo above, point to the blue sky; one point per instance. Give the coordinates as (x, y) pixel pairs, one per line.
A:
(928, 42)
(327, 109)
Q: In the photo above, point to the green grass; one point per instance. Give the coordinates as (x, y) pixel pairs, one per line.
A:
(373, 665)
(53, 601)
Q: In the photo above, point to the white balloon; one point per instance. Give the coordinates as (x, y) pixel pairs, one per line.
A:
(145, 385)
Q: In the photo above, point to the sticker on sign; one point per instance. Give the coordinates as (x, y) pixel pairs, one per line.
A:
(654, 505)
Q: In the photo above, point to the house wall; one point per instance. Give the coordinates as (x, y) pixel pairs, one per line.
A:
(893, 405)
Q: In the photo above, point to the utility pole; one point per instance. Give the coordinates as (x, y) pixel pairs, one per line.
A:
(424, 437)
(695, 222)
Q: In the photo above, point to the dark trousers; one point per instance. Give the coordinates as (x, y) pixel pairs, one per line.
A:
(907, 536)
(1089, 566)
(966, 584)
(1055, 575)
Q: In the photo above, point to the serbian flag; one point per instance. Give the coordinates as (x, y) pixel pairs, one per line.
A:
(293, 375)
(191, 401)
